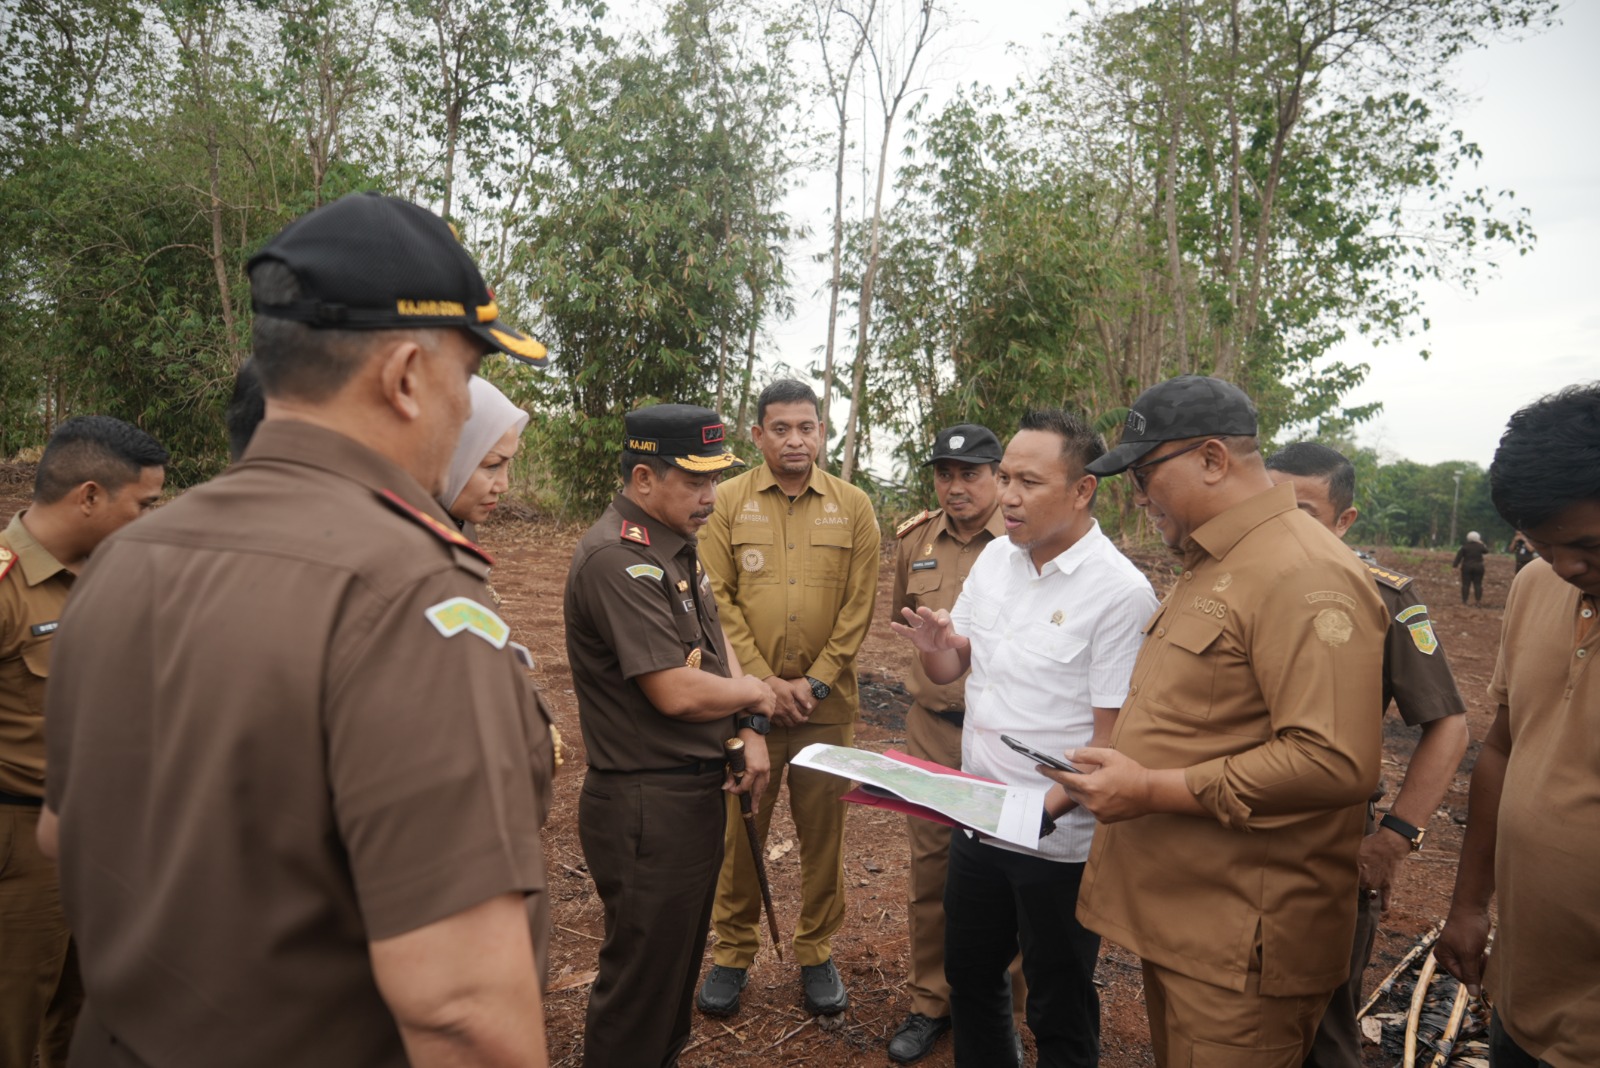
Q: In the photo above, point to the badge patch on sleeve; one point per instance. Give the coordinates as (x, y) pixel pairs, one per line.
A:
(644, 571)
(464, 614)
(1422, 635)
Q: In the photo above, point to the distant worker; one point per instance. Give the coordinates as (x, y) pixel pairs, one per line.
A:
(936, 551)
(97, 474)
(1417, 678)
(792, 553)
(1230, 799)
(1469, 558)
(291, 753)
(1533, 817)
(659, 696)
(1049, 622)
(1523, 551)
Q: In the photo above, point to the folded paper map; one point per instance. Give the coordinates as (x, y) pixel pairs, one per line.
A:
(1009, 813)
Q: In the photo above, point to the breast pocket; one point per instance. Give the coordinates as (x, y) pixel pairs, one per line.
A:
(921, 585)
(36, 659)
(1185, 682)
(752, 554)
(1050, 643)
(828, 562)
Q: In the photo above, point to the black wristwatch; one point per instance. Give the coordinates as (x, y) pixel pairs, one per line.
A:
(1047, 824)
(819, 689)
(754, 722)
(1414, 835)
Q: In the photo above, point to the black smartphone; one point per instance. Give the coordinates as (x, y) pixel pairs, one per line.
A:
(1041, 758)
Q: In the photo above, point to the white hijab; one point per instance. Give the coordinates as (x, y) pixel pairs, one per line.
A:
(492, 415)
(1472, 535)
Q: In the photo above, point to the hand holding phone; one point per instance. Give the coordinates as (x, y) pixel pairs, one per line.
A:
(1041, 758)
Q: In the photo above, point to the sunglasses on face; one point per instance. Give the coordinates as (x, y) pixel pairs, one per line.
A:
(1138, 470)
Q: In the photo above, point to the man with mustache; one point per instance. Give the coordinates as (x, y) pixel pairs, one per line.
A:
(936, 551)
(658, 696)
(793, 556)
(1231, 796)
(1534, 811)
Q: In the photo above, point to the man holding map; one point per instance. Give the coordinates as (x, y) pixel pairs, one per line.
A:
(1049, 625)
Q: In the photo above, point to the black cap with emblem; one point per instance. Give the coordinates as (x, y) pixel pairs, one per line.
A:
(1190, 406)
(968, 443)
(370, 262)
(684, 434)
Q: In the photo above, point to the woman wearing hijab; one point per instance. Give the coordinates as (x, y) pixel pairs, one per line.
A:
(1469, 558)
(480, 470)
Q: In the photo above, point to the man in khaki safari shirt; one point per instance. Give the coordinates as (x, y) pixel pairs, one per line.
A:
(1232, 796)
(792, 553)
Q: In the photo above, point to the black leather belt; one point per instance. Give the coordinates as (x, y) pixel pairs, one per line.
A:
(698, 767)
(20, 799)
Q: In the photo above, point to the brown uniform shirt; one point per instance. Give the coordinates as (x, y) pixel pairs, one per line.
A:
(930, 566)
(1416, 675)
(796, 580)
(1258, 675)
(1544, 973)
(281, 727)
(33, 590)
(638, 601)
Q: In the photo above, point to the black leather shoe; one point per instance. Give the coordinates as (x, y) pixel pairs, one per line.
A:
(719, 994)
(916, 1037)
(825, 994)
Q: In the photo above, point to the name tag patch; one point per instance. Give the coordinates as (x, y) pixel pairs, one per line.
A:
(39, 630)
(459, 614)
(924, 565)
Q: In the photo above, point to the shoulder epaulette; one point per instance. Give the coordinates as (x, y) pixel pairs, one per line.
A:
(8, 560)
(914, 522)
(1389, 578)
(634, 532)
(439, 530)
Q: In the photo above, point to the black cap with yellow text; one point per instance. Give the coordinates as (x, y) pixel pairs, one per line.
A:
(684, 434)
(371, 262)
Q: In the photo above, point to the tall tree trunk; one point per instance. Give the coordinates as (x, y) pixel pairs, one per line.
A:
(858, 379)
(838, 255)
(1169, 192)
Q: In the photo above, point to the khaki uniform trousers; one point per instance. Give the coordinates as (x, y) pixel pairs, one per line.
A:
(819, 821)
(40, 991)
(932, 737)
(1196, 1025)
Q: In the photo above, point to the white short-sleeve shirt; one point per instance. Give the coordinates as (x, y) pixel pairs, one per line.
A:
(1048, 647)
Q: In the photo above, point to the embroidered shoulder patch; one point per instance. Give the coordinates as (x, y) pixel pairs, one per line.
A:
(443, 531)
(1389, 578)
(645, 571)
(459, 614)
(913, 523)
(634, 532)
(1421, 627)
(1333, 627)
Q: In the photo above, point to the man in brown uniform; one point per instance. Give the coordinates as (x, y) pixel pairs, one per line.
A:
(936, 550)
(1231, 799)
(96, 475)
(793, 556)
(1533, 820)
(1417, 677)
(658, 695)
(298, 771)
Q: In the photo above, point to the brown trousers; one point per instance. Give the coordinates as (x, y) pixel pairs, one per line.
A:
(1338, 1041)
(934, 738)
(1197, 1025)
(819, 821)
(653, 843)
(40, 991)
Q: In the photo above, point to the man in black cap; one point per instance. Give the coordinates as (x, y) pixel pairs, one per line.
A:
(936, 550)
(299, 773)
(1230, 797)
(659, 693)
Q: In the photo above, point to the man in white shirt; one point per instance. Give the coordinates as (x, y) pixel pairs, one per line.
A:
(1049, 624)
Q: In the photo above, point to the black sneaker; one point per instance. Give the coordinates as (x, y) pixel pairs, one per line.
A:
(719, 994)
(824, 989)
(916, 1037)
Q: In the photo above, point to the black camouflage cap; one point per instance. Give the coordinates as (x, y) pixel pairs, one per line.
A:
(371, 262)
(687, 435)
(967, 442)
(1190, 406)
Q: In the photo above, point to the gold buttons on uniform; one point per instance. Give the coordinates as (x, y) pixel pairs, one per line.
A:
(793, 618)
(1161, 632)
(1188, 576)
(791, 582)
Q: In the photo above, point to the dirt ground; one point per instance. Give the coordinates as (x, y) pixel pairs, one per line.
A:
(871, 949)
